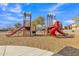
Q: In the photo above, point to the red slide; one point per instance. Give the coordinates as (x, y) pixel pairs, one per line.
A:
(14, 32)
(56, 28)
(53, 30)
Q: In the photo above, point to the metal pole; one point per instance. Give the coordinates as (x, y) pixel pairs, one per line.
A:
(24, 22)
(30, 26)
(47, 25)
(51, 21)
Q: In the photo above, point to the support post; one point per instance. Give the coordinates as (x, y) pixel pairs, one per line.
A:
(30, 26)
(24, 23)
(49, 20)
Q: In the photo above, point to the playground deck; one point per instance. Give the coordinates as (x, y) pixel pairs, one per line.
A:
(42, 42)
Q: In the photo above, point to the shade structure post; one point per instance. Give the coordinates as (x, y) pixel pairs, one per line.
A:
(24, 23)
(30, 26)
(49, 21)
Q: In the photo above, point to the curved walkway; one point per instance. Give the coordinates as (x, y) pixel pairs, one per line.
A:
(23, 51)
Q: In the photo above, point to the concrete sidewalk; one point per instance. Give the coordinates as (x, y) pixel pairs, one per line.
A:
(23, 51)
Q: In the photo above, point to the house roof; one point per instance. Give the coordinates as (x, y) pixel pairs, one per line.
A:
(76, 19)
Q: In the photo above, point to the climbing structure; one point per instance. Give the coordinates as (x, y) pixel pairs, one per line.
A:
(24, 23)
(49, 22)
(24, 28)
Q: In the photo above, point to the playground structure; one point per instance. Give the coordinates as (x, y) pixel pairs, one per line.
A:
(24, 28)
(28, 27)
(57, 28)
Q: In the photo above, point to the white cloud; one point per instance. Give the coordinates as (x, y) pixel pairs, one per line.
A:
(7, 14)
(11, 18)
(54, 8)
(16, 9)
(3, 6)
(69, 21)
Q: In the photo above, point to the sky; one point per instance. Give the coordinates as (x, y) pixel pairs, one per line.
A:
(11, 13)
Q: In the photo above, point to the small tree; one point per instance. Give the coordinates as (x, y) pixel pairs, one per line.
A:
(35, 23)
(41, 20)
(17, 25)
(38, 21)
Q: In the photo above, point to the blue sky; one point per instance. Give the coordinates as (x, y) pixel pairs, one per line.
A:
(11, 13)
